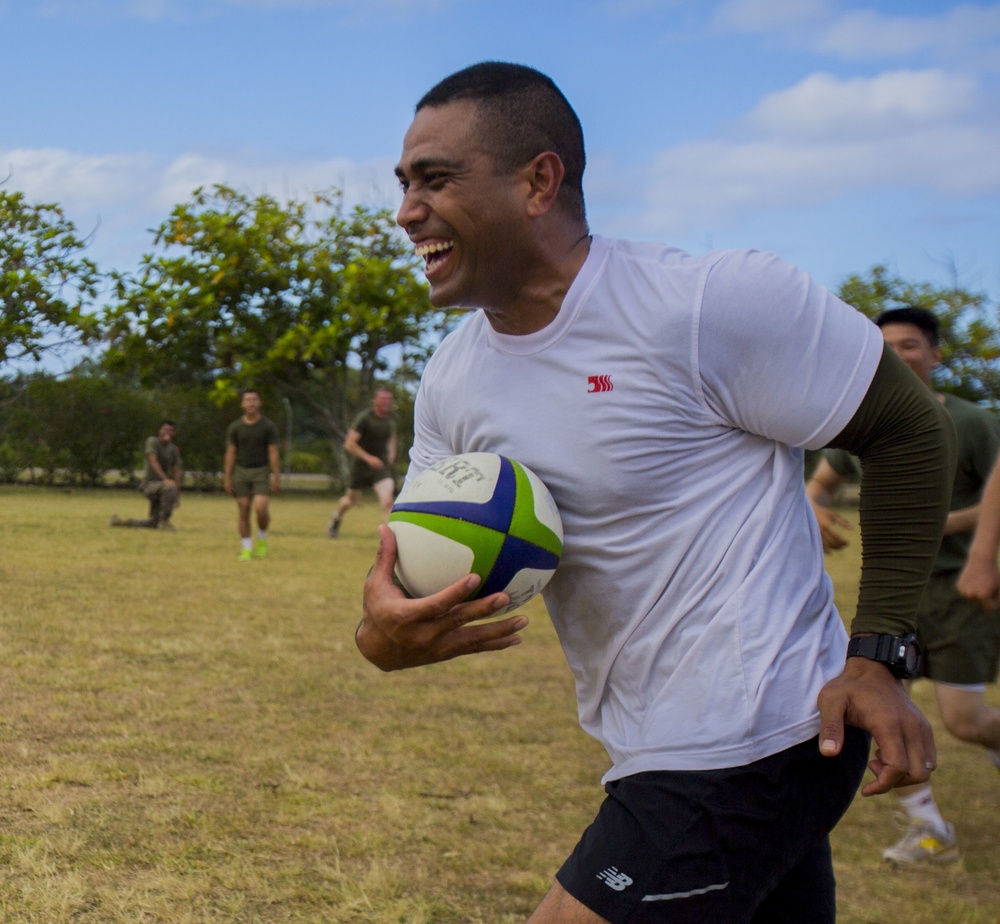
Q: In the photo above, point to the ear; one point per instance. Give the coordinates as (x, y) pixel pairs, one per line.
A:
(544, 176)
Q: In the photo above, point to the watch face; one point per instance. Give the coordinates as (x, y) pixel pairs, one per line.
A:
(908, 660)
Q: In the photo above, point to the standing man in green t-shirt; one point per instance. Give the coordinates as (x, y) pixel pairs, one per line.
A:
(251, 453)
(371, 443)
(961, 640)
(161, 480)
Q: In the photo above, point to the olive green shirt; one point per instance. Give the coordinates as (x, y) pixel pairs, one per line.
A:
(374, 433)
(167, 454)
(252, 441)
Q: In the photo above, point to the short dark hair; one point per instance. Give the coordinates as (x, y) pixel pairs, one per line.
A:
(521, 114)
(167, 423)
(918, 317)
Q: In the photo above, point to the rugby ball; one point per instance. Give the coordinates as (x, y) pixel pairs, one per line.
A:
(482, 513)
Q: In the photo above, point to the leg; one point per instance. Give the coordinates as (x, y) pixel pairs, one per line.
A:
(132, 523)
(384, 491)
(168, 501)
(262, 510)
(967, 716)
(559, 907)
(350, 499)
(243, 516)
(810, 885)
(153, 491)
(692, 847)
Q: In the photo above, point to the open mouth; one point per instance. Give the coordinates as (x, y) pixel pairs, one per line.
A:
(433, 253)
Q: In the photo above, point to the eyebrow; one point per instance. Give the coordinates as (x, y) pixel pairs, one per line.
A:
(428, 163)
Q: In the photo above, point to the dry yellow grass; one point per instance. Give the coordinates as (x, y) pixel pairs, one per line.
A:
(187, 738)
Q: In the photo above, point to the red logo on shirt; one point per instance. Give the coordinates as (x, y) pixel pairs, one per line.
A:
(598, 383)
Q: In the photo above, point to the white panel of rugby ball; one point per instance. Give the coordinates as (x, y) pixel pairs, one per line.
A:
(477, 512)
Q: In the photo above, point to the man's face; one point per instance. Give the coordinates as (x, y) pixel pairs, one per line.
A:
(250, 403)
(913, 346)
(382, 403)
(465, 221)
(166, 433)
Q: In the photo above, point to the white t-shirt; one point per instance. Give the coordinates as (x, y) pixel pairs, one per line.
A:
(661, 408)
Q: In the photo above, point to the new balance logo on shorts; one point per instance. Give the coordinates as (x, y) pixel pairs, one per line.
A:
(596, 383)
(616, 880)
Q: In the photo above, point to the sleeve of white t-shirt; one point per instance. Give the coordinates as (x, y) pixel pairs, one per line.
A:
(429, 443)
(779, 355)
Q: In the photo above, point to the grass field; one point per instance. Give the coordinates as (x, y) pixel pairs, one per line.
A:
(188, 738)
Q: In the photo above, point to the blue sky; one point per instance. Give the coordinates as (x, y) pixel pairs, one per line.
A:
(838, 134)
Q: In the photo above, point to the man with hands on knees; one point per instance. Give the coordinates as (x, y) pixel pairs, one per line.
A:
(690, 600)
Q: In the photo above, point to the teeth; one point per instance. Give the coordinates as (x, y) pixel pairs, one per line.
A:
(422, 250)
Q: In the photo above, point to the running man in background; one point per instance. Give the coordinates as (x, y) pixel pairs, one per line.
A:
(961, 641)
(371, 444)
(161, 480)
(252, 470)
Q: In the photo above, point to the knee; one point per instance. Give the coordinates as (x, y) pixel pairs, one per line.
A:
(963, 724)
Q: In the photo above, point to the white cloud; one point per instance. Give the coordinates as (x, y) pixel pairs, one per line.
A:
(825, 106)
(870, 34)
(122, 196)
(57, 175)
(955, 34)
(823, 140)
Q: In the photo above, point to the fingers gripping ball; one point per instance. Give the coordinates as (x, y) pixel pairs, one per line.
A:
(480, 513)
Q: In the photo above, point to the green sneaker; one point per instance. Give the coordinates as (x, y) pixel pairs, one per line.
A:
(245, 555)
(261, 551)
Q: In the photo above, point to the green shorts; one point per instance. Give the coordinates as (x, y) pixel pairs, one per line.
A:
(251, 482)
(960, 640)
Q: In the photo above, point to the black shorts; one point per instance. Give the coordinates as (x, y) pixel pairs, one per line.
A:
(743, 844)
(364, 476)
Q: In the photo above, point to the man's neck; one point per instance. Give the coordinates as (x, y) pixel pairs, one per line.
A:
(540, 298)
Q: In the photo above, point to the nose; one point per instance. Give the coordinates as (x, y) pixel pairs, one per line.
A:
(411, 210)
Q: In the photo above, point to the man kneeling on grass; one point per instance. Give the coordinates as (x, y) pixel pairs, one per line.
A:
(161, 480)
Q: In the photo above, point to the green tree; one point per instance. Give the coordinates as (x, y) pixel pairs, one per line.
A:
(970, 337)
(300, 299)
(80, 427)
(45, 284)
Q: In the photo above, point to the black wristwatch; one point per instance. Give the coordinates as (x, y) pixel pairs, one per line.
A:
(900, 654)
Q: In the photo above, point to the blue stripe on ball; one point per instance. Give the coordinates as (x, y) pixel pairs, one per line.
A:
(495, 513)
(515, 554)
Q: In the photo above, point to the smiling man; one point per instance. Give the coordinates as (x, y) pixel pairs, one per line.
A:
(690, 600)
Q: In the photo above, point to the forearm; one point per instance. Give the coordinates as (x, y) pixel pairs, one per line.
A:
(962, 521)
(986, 541)
(906, 443)
(818, 495)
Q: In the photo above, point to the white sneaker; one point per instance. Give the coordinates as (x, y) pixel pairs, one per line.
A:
(922, 843)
